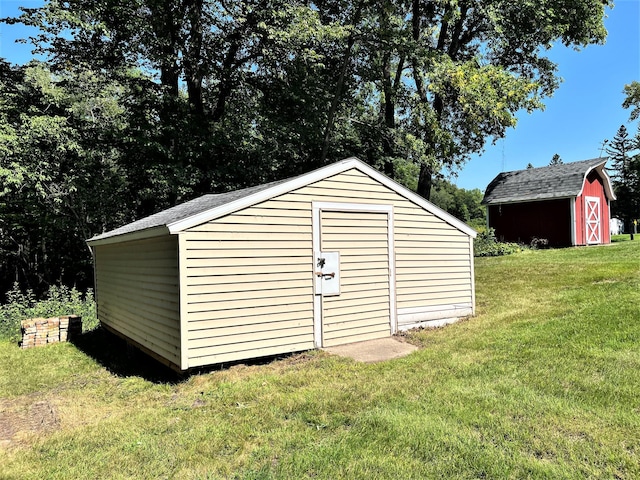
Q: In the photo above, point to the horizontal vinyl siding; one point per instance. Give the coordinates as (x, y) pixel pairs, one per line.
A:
(433, 259)
(138, 293)
(362, 310)
(249, 289)
(254, 268)
(433, 267)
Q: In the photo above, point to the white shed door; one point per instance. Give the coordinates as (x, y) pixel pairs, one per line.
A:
(362, 309)
(592, 211)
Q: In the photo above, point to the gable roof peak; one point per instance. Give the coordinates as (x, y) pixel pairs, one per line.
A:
(545, 183)
(208, 207)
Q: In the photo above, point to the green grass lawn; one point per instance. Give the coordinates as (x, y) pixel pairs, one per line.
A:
(543, 383)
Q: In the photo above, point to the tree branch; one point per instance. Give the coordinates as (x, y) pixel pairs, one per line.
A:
(340, 84)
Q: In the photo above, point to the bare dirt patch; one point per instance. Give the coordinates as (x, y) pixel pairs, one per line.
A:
(23, 416)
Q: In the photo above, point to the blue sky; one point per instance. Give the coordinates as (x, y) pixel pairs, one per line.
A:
(11, 51)
(585, 110)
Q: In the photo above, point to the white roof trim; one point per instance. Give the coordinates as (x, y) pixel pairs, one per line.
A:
(607, 181)
(312, 177)
(130, 236)
(608, 186)
(417, 199)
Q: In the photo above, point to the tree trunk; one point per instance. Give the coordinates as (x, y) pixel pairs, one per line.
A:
(416, 27)
(339, 86)
(226, 78)
(193, 57)
(169, 76)
(165, 28)
(389, 107)
(389, 112)
(425, 180)
(230, 64)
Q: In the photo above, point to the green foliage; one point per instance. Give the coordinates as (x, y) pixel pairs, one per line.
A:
(556, 160)
(59, 300)
(486, 245)
(624, 154)
(146, 103)
(478, 224)
(463, 204)
(632, 99)
(542, 383)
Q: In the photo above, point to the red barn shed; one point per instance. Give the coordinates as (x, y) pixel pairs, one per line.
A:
(565, 204)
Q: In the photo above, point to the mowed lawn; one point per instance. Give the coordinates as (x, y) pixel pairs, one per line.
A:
(543, 383)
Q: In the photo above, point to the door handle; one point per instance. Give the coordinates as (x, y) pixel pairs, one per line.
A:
(322, 274)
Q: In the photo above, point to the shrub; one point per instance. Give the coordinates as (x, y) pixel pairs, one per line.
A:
(537, 243)
(486, 245)
(478, 224)
(59, 300)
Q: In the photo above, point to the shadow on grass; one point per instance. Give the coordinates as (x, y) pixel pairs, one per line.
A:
(625, 237)
(124, 360)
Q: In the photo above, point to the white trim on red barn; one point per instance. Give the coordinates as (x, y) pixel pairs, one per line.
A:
(593, 220)
(607, 183)
(574, 222)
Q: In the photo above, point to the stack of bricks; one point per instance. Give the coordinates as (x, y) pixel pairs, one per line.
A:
(42, 331)
(70, 327)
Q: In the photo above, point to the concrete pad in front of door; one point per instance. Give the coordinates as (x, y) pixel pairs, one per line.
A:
(372, 351)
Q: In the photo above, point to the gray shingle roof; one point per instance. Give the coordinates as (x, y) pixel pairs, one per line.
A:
(186, 210)
(557, 181)
(206, 208)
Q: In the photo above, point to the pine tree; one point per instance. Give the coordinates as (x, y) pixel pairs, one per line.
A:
(556, 160)
(625, 177)
(619, 150)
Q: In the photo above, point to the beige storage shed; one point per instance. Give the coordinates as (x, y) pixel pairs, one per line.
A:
(338, 255)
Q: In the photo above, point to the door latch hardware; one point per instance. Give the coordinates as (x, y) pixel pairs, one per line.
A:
(321, 274)
(326, 273)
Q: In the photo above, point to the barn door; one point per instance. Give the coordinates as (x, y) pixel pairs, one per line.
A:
(361, 307)
(592, 221)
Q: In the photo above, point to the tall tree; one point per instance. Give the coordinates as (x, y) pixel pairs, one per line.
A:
(158, 101)
(625, 165)
(439, 78)
(422, 81)
(620, 149)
